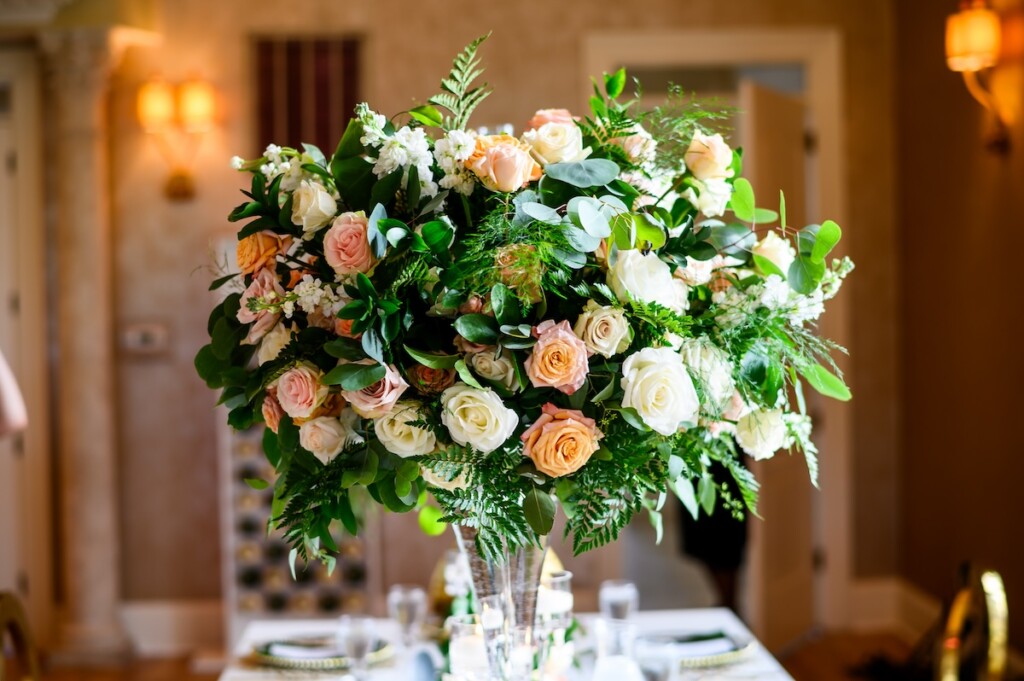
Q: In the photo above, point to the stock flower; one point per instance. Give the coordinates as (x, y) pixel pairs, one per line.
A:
(709, 157)
(312, 207)
(762, 433)
(557, 143)
(711, 366)
(273, 343)
(558, 359)
(499, 367)
(265, 288)
(428, 381)
(503, 163)
(378, 399)
(395, 432)
(346, 246)
(477, 418)
(258, 250)
(656, 384)
(604, 330)
(545, 116)
(777, 250)
(271, 410)
(647, 278)
(561, 441)
(300, 391)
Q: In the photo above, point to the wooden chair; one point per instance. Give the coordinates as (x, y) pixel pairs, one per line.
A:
(25, 663)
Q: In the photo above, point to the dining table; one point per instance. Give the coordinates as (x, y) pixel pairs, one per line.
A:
(754, 662)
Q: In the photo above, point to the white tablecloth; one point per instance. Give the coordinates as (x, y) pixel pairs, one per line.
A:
(759, 664)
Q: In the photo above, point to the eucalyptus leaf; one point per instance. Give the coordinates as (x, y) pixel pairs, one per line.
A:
(828, 236)
(541, 213)
(742, 201)
(593, 220)
(805, 275)
(590, 172)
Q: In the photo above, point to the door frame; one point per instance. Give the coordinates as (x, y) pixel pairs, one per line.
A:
(820, 52)
(20, 68)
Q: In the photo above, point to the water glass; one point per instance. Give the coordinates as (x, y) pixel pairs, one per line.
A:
(357, 638)
(467, 651)
(555, 601)
(618, 599)
(407, 605)
(615, 640)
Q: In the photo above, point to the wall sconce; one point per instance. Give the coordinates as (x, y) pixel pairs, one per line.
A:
(973, 44)
(177, 117)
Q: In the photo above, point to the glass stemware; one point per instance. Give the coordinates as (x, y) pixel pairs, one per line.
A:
(618, 599)
(407, 605)
(357, 638)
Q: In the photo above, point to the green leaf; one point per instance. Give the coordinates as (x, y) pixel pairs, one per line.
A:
(593, 220)
(683, 488)
(590, 172)
(541, 213)
(314, 153)
(828, 236)
(805, 275)
(209, 367)
(707, 492)
(349, 146)
(226, 337)
(345, 348)
(466, 375)
(373, 344)
(430, 521)
(505, 305)
(477, 328)
(540, 511)
(355, 179)
(826, 383)
(581, 240)
(245, 210)
(762, 370)
(427, 115)
(648, 231)
(782, 210)
(257, 483)
(287, 437)
(735, 240)
(271, 447)
(764, 216)
(658, 524)
(767, 267)
(355, 376)
(432, 361)
(742, 201)
(346, 515)
(615, 83)
(438, 235)
(217, 283)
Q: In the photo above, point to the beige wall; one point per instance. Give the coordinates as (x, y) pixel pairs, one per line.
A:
(533, 60)
(961, 228)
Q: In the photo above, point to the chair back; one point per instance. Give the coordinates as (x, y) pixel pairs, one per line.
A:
(24, 664)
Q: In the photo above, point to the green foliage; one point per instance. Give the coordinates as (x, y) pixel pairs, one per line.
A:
(457, 95)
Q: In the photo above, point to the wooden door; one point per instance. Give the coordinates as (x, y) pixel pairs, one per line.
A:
(779, 595)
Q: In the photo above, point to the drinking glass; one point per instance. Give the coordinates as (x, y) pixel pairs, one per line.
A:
(357, 638)
(407, 605)
(467, 651)
(554, 617)
(615, 639)
(618, 599)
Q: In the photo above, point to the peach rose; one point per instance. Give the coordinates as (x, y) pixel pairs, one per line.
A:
(266, 288)
(346, 246)
(561, 441)
(343, 327)
(272, 411)
(300, 391)
(520, 268)
(503, 163)
(427, 381)
(258, 250)
(544, 116)
(559, 358)
(375, 400)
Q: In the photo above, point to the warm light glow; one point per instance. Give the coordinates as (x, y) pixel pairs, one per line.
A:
(973, 38)
(196, 106)
(155, 105)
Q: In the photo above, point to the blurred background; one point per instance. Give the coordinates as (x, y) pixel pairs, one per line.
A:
(124, 524)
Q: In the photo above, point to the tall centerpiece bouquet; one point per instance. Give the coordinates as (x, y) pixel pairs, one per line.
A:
(487, 327)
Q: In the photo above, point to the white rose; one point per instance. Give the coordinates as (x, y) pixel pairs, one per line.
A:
(647, 278)
(762, 433)
(639, 146)
(777, 250)
(604, 330)
(435, 480)
(398, 436)
(711, 365)
(324, 437)
(657, 385)
(713, 197)
(500, 368)
(698, 272)
(312, 207)
(272, 344)
(556, 143)
(709, 157)
(477, 418)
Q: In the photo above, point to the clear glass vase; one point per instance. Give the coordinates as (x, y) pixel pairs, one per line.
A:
(505, 596)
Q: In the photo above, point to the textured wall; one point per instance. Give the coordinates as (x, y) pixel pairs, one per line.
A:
(960, 217)
(533, 60)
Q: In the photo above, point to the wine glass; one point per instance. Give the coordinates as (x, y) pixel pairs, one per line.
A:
(618, 599)
(357, 638)
(407, 605)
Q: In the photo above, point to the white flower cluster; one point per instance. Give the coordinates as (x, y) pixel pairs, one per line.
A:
(408, 148)
(313, 297)
(373, 126)
(452, 151)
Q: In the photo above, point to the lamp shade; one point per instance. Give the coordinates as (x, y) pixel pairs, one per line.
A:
(973, 39)
(196, 105)
(155, 105)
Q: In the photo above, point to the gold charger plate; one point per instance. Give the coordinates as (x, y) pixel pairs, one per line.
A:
(742, 648)
(262, 656)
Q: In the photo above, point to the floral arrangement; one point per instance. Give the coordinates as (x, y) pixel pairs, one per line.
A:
(484, 327)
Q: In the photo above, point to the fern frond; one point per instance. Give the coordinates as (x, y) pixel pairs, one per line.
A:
(457, 96)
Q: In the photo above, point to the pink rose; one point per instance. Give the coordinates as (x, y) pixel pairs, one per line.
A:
(503, 163)
(549, 116)
(264, 287)
(467, 348)
(272, 411)
(558, 359)
(346, 246)
(300, 391)
(375, 400)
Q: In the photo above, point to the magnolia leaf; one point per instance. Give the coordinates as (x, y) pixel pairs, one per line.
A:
(355, 376)
(505, 305)
(477, 328)
(539, 508)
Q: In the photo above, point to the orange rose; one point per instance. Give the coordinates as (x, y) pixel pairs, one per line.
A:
(558, 359)
(561, 441)
(427, 381)
(258, 250)
(503, 163)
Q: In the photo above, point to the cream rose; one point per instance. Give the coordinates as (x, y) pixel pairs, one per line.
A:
(259, 250)
(777, 250)
(503, 163)
(346, 246)
(656, 384)
(477, 418)
(711, 365)
(434, 480)
(264, 288)
(762, 433)
(647, 278)
(556, 143)
(324, 437)
(312, 207)
(561, 441)
(378, 399)
(545, 116)
(558, 358)
(300, 391)
(273, 343)
(639, 146)
(495, 366)
(398, 436)
(708, 157)
(712, 198)
(604, 330)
